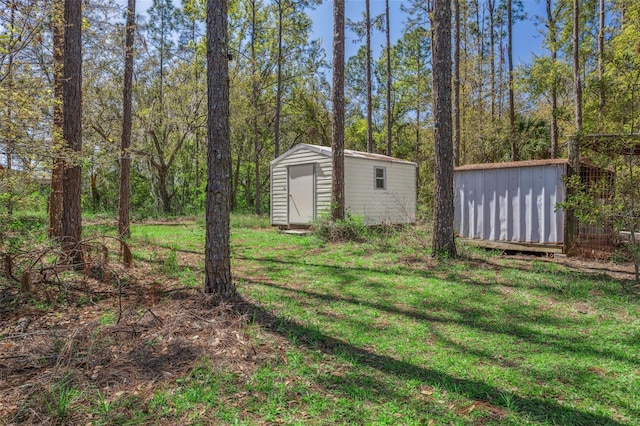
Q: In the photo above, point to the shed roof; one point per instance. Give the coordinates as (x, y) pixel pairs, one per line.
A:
(512, 164)
(326, 151)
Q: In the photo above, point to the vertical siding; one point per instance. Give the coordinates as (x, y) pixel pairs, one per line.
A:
(394, 205)
(516, 204)
(279, 190)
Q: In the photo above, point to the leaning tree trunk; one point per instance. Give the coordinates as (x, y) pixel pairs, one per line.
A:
(337, 99)
(443, 238)
(217, 246)
(72, 131)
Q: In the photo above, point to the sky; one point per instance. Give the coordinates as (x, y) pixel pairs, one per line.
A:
(526, 39)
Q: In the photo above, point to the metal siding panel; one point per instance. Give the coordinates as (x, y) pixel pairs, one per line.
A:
(457, 204)
(502, 224)
(490, 209)
(513, 206)
(526, 182)
(510, 204)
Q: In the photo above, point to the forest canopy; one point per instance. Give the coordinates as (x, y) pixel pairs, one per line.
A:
(280, 94)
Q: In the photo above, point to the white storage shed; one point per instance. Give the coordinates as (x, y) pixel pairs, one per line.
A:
(512, 205)
(380, 188)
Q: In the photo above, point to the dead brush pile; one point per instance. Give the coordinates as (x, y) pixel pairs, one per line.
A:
(68, 337)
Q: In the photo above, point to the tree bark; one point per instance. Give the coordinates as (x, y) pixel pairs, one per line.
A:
(456, 86)
(217, 245)
(55, 199)
(72, 132)
(254, 115)
(443, 237)
(337, 100)
(577, 84)
(368, 77)
(124, 229)
(492, 53)
(574, 142)
(388, 109)
(601, 91)
(553, 42)
(512, 107)
(276, 135)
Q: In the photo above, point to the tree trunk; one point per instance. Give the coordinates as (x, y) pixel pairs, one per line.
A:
(601, 91)
(553, 42)
(368, 77)
(574, 142)
(217, 246)
(254, 117)
(388, 77)
(456, 86)
(10, 141)
(443, 237)
(577, 84)
(512, 107)
(492, 54)
(337, 100)
(72, 131)
(276, 135)
(125, 141)
(55, 199)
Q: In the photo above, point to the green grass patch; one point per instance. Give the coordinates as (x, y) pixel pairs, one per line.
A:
(378, 332)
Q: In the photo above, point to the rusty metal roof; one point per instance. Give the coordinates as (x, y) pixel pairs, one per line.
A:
(513, 164)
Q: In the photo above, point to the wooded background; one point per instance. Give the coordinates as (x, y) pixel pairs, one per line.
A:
(280, 94)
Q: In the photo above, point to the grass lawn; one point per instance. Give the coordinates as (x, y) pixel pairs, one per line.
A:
(380, 333)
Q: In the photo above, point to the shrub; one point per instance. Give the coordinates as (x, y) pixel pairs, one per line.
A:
(352, 228)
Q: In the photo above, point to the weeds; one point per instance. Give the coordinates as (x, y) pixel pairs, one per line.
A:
(60, 397)
(352, 228)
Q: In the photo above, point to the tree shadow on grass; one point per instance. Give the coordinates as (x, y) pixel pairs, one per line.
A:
(476, 320)
(313, 339)
(568, 290)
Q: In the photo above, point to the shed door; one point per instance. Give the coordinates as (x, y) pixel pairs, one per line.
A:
(301, 194)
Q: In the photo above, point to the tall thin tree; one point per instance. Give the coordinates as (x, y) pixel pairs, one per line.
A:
(280, 59)
(388, 98)
(491, 5)
(72, 131)
(337, 100)
(553, 46)
(367, 24)
(254, 109)
(125, 140)
(456, 84)
(512, 107)
(55, 197)
(601, 88)
(443, 237)
(574, 142)
(217, 245)
(577, 83)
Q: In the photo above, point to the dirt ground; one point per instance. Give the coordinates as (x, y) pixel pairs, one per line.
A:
(133, 329)
(126, 335)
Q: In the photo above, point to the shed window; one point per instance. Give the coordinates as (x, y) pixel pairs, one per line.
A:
(379, 178)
